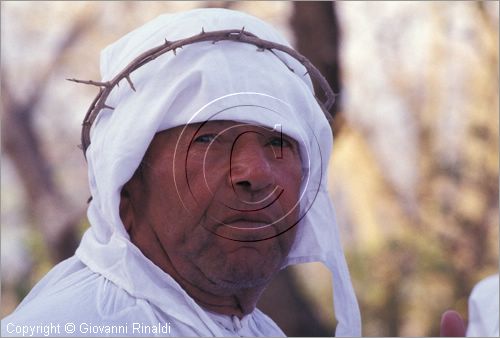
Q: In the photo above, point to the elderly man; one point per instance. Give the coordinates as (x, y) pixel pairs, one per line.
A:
(207, 172)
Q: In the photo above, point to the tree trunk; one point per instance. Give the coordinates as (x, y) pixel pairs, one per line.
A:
(317, 36)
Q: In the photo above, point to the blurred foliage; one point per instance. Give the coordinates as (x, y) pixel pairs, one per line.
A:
(414, 172)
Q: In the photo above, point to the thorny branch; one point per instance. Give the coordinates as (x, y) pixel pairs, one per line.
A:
(236, 35)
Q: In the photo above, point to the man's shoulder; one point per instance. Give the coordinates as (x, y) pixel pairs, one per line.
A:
(75, 296)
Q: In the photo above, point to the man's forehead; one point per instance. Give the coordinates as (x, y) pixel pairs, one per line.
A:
(221, 126)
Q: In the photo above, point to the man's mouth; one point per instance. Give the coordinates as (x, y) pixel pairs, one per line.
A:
(245, 227)
(247, 222)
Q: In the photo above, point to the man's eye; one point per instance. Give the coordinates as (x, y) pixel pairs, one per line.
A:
(279, 142)
(206, 138)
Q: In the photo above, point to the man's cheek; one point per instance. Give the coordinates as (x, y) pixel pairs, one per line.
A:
(290, 202)
(203, 185)
(199, 244)
(185, 188)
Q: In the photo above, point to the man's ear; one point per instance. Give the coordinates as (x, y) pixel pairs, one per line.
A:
(126, 209)
(129, 196)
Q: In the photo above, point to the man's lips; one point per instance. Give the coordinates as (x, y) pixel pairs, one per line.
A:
(248, 221)
(242, 224)
(245, 227)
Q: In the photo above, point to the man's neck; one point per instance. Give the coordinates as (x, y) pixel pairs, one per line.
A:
(235, 303)
(228, 301)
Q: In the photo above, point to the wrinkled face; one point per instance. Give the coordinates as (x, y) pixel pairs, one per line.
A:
(222, 199)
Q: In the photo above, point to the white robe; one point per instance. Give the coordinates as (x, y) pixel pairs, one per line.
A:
(71, 293)
(484, 309)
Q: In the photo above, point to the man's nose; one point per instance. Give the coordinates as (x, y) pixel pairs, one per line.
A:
(250, 167)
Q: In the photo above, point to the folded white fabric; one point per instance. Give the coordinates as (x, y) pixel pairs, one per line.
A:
(484, 309)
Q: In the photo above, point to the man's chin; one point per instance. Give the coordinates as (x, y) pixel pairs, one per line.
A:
(240, 282)
(246, 275)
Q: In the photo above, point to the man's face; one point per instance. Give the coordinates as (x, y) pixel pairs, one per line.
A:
(221, 199)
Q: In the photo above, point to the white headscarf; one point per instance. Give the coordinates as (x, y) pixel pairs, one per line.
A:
(205, 81)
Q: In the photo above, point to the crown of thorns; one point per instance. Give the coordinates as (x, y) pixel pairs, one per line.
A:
(235, 35)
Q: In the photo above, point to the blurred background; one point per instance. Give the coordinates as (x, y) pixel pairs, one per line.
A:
(414, 171)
